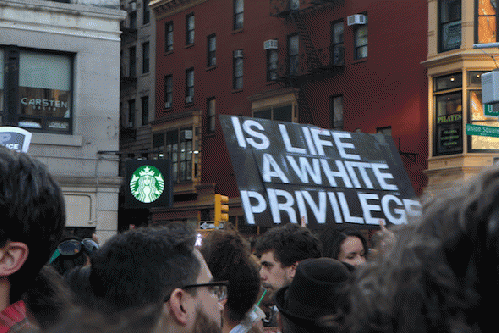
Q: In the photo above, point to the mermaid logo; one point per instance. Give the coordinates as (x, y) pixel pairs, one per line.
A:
(147, 184)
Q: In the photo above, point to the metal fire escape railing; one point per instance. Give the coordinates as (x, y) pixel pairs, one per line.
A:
(313, 59)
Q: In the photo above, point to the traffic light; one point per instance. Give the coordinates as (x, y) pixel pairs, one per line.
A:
(221, 209)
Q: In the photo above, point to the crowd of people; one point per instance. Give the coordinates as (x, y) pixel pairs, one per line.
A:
(437, 273)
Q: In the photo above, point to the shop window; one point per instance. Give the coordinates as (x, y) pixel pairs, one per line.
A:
(168, 36)
(448, 138)
(477, 143)
(338, 44)
(44, 89)
(276, 113)
(238, 14)
(485, 21)
(449, 22)
(177, 146)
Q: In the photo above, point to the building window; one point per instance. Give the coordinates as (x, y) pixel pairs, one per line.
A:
(131, 113)
(177, 147)
(294, 4)
(189, 29)
(36, 90)
(272, 64)
(133, 20)
(211, 115)
(449, 25)
(238, 70)
(360, 42)
(276, 113)
(476, 143)
(145, 110)
(38, 93)
(293, 55)
(168, 91)
(336, 112)
(485, 21)
(338, 44)
(146, 13)
(238, 14)
(212, 50)
(145, 57)
(189, 86)
(168, 36)
(448, 111)
(133, 61)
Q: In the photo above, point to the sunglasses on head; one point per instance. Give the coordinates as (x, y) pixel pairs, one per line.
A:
(72, 247)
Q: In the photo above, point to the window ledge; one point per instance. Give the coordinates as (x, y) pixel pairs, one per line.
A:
(168, 52)
(188, 46)
(235, 91)
(57, 139)
(210, 68)
(237, 31)
(359, 61)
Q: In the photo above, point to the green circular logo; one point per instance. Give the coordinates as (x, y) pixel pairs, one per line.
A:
(147, 184)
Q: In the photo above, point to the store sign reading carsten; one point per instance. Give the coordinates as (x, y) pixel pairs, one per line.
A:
(289, 172)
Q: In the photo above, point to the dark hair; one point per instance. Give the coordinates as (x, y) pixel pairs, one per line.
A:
(332, 237)
(32, 210)
(141, 266)
(228, 257)
(290, 243)
(326, 324)
(48, 298)
(441, 273)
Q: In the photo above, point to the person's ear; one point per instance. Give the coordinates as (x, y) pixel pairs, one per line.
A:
(12, 257)
(291, 270)
(178, 306)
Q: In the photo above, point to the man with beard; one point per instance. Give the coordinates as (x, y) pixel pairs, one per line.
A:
(280, 250)
(150, 280)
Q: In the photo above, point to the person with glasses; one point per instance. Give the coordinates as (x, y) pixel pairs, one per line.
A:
(32, 210)
(155, 271)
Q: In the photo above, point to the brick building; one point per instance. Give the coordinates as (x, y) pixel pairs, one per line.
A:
(348, 65)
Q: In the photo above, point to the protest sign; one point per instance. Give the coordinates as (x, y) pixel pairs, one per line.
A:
(289, 172)
(15, 138)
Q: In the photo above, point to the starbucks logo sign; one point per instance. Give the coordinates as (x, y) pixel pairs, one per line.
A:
(147, 184)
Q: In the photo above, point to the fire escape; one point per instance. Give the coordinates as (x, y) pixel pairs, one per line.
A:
(312, 61)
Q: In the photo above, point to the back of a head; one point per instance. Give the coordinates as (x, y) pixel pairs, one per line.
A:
(290, 243)
(228, 257)
(139, 267)
(32, 209)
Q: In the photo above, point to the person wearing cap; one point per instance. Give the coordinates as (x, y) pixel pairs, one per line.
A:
(33, 218)
(317, 298)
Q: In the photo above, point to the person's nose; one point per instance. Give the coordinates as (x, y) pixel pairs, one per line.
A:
(263, 274)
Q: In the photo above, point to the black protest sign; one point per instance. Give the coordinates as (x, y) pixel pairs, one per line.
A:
(148, 184)
(289, 172)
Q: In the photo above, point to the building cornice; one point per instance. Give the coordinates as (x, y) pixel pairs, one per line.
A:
(461, 56)
(165, 8)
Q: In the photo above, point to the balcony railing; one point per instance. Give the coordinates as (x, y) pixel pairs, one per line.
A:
(110, 4)
(284, 7)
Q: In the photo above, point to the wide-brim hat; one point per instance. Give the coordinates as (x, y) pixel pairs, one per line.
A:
(316, 290)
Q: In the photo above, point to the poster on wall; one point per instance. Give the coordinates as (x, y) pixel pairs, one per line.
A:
(299, 173)
(15, 138)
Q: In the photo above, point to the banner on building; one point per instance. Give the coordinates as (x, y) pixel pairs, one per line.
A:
(148, 184)
(289, 172)
(15, 138)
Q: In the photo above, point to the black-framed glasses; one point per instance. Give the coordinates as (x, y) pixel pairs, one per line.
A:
(219, 289)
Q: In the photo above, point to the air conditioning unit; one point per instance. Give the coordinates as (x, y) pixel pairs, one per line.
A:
(238, 53)
(133, 6)
(187, 134)
(168, 105)
(271, 44)
(188, 99)
(356, 19)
